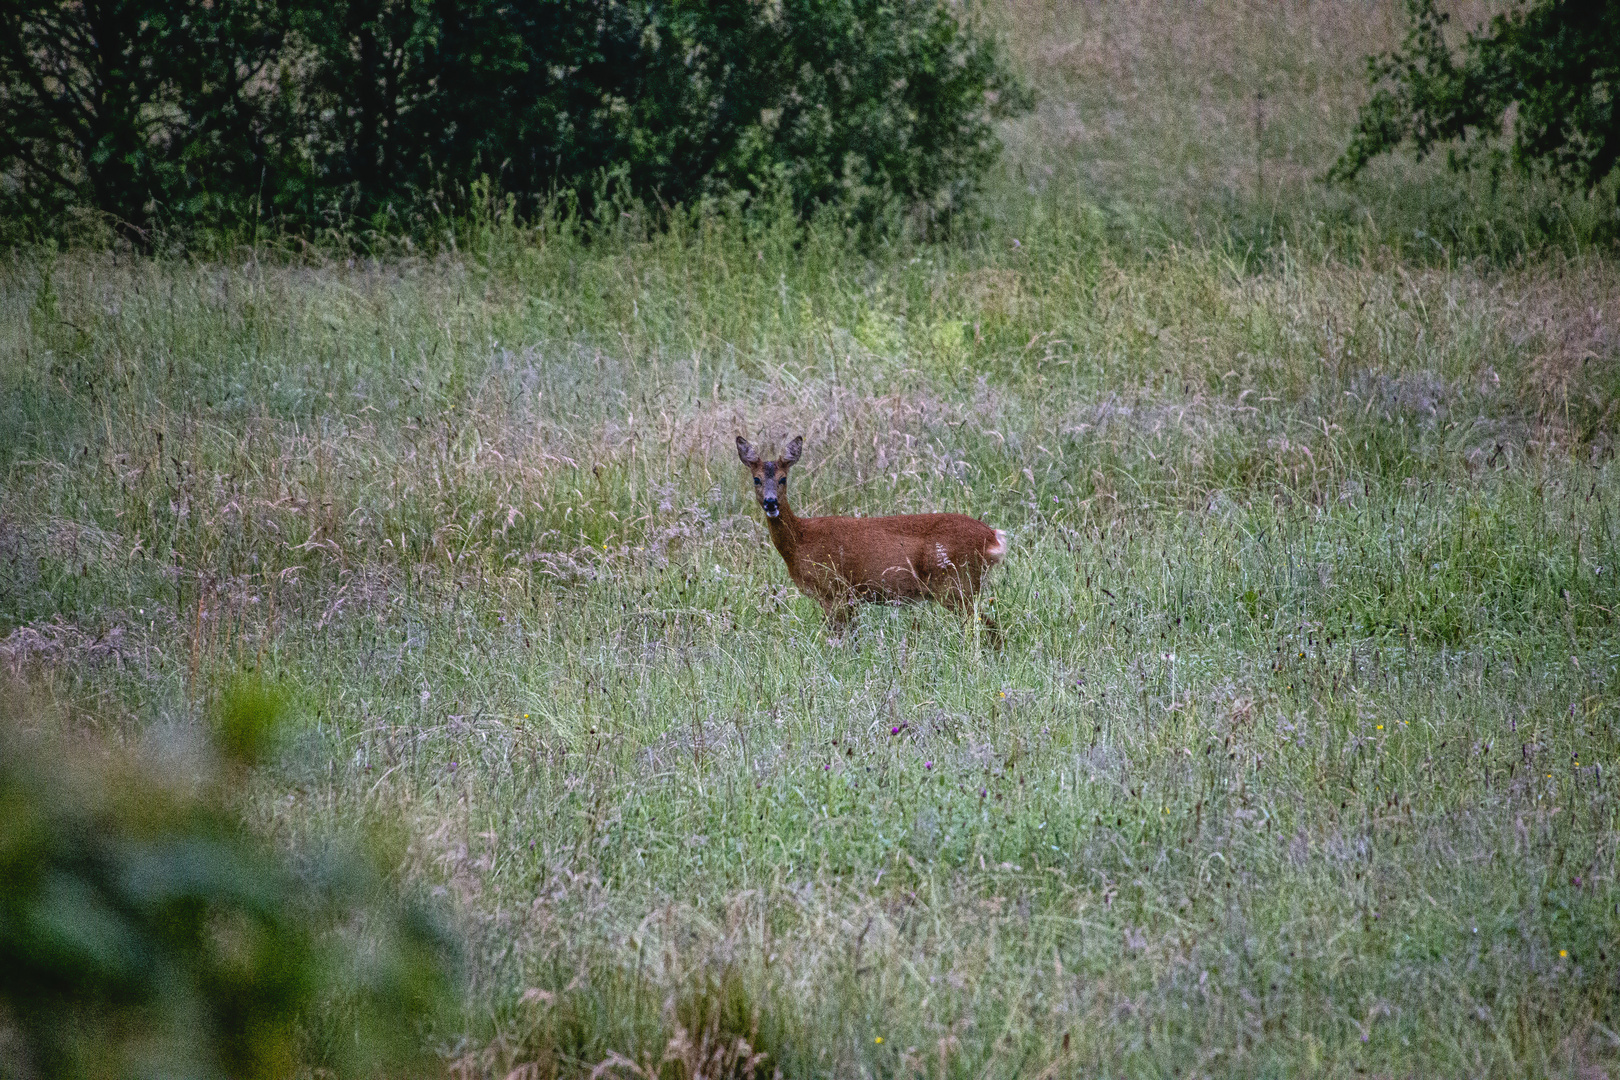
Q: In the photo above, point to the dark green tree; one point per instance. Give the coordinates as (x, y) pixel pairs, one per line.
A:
(199, 112)
(857, 102)
(1553, 65)
(139, 109)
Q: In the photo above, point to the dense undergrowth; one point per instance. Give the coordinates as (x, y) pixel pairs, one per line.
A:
(1297, 756)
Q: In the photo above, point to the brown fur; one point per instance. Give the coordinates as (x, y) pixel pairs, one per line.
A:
(841, 561)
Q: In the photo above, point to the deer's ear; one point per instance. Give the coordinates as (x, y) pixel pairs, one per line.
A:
(749, 455)
(794, 449)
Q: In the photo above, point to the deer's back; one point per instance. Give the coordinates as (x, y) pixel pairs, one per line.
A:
(897, 557)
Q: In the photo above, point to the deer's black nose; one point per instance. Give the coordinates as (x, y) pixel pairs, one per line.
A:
(770, 507)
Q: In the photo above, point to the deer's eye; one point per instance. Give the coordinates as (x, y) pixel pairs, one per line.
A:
(756, 481)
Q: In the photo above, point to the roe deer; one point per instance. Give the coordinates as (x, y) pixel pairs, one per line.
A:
(841, 561)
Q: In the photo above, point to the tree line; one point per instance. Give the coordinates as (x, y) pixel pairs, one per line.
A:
(297, 114)
(385, 112)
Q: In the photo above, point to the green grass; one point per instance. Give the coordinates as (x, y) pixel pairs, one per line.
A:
(1298, 756)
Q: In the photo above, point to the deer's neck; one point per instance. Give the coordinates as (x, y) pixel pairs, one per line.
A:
(786, 531)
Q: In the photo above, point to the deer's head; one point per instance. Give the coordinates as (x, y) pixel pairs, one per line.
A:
(770, 477)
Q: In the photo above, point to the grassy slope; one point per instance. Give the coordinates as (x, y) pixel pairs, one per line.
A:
(1299, 755)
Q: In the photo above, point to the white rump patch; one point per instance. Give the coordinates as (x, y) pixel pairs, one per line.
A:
(998, 550)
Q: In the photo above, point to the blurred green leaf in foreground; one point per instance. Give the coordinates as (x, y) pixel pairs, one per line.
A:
(145, 931)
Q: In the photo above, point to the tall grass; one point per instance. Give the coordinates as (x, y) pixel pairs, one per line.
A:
(1298, 755)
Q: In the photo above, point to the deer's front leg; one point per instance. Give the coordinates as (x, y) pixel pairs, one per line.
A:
(840, 612)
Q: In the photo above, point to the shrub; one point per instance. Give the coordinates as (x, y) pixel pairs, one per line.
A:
(141, 109)
(160, 110)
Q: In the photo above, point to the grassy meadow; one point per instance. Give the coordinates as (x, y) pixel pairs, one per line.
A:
(1298, 756)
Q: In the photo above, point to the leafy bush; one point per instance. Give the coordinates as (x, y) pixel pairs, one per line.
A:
(153, 110)
(1554, 65)
(144, 931)
(138, 109)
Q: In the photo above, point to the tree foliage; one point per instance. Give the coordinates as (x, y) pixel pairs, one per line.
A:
(152, 110)
(1549, 70)
(130, 107)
